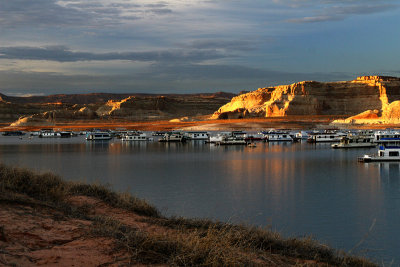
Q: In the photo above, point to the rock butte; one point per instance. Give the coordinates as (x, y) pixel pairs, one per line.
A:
(375, 97)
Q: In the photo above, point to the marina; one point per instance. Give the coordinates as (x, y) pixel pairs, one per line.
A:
(296, 188)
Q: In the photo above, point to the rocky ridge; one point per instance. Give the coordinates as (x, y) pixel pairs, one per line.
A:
(345, 98)
(136, 107)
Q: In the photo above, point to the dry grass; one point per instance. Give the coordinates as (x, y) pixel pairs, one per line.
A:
(182, 242)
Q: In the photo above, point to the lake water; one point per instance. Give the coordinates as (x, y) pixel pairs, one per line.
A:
(297, 189)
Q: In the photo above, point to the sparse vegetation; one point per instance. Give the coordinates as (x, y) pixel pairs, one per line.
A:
(173, 241)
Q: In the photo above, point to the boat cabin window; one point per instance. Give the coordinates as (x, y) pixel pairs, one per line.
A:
(381, 154)
(393, 153)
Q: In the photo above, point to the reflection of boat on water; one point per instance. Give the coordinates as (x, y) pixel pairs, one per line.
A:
(355, 141)
(98, 136)
(251, 145)
(385, 153)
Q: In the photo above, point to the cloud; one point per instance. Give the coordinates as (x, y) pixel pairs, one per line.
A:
(86, 13)
(182, 78)
(338, 10)
(239, 45)
(63, 54)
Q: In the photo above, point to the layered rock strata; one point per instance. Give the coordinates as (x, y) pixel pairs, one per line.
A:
(345, 98)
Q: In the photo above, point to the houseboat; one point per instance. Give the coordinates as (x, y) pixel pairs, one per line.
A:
(231, 140)
(274, 136)
(49, 134)
(197, 136)
(173, 137)
(384, 137)
(13, 133)
(325, 137)
(385, 153)
(355, 141)
(98, 136)
(158, 133)
(135, 136)
(250, 137)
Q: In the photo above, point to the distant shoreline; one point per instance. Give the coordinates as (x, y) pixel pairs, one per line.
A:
(249, 124)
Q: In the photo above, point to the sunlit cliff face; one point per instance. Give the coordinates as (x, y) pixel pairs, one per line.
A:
(315, 98)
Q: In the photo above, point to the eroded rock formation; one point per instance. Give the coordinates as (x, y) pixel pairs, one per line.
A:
(316, 98)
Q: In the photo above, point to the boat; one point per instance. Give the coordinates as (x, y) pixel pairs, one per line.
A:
(324, 137)
(388, 136)
(302, 135)
(355, 141)
(173, 137)
(275, 136)
(66, 134)
(159, 133)
(197, 135)
(385, 153)
(219, 137)
(135, 136)
(98, 136)
(48, 134)
(13, 133)
(251, 145)
(254, 137)
(231, 140)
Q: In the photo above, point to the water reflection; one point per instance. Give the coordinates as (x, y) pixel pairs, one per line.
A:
(295, 188)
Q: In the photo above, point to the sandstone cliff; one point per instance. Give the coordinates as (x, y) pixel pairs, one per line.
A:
(315, 98)
(30, 111)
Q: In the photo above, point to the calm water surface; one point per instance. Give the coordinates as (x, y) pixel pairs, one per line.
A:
(297, 189)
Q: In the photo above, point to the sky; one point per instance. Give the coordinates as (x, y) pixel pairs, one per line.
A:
(192, 46)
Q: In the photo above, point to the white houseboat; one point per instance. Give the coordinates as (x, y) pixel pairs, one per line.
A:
(385, 153)
(231, 140)
(173, 137)
(278, 137)
(135, 136)
(98, 136)
(49, 134)
(197, 136)
(355, 141)
(384, 137)
(325, 137)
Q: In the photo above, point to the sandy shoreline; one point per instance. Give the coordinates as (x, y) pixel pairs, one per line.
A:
(253, 124)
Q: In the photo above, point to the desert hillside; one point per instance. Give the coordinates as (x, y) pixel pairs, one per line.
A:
(346, 98)
(49, 110)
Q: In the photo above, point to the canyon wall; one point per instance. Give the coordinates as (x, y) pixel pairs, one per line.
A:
(345, 98)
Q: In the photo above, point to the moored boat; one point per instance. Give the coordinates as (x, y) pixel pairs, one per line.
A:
(324, 137)
(273, 136)
(13, 133)
(198, 135)
(355, 141)
(98, 136)
(135, 136)
(385, 153)
(173, 137)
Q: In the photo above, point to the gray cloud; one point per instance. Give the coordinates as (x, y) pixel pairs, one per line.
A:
(63, 54)
(17, 13)
(183, 78)
(340, 10)
(239, 45)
